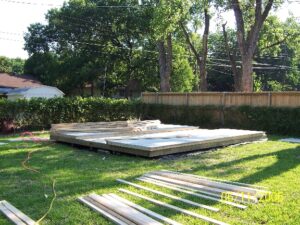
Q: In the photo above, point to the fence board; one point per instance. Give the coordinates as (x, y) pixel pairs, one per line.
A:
(274, 99)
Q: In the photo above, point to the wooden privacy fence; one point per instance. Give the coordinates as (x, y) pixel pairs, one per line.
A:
(269, 99)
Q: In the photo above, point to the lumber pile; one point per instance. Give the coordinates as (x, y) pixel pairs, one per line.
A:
(15, 215)
(208, 188)
(122, 211)
(178, 209)
(126, 126)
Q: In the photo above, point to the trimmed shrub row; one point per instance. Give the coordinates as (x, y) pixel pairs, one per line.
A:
(41, 113)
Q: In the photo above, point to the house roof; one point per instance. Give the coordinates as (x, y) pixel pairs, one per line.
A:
(5, 90)
(20, 81)
(21, 91)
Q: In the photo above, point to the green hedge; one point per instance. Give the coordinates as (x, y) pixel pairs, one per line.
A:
(41, 113)
(273, 120)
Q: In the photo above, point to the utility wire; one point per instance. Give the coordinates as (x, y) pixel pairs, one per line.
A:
(59, 5)
(155, 52)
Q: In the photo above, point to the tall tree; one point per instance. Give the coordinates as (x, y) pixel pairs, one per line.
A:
(232, 59)
(248, 40)
(104, 46)
(200, 55)
(165, 51)
(167, 15)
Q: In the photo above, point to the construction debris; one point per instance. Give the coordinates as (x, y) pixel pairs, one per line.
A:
(15, 215)
(148, 138)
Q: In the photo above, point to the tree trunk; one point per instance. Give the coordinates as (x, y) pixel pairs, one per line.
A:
(165, 63)
(169, 56)
(203, 72)
(203, 76)
(247, 74)
(202, 56)
(232, 60)
(248, 40)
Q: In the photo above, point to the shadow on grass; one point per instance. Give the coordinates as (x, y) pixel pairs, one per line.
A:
(286, 159)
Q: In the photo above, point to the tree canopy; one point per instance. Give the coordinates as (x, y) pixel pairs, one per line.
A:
(162, 45)
(15, 66)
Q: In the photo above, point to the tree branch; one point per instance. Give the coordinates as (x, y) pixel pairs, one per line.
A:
(192, 47)
(267, 9)
(239, 19)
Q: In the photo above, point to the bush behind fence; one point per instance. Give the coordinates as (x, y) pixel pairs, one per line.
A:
(273, 120)
(41, 113)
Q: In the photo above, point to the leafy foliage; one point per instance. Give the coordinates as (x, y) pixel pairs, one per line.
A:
(272, 120)
(8, 65)
(183, 78)
(41, 113)
(84, 44)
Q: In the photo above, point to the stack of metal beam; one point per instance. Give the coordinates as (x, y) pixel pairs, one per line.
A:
(234, 194)
(209, 188)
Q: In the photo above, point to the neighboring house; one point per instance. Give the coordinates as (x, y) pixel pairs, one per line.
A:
(16, 87)
(34, 92)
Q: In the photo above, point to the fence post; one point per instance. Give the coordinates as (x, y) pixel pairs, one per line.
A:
(270, 99)
(223, 102)
(156, 98)
(187, 99)
(223, 109)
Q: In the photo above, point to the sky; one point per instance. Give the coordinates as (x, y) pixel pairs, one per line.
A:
(16, 17)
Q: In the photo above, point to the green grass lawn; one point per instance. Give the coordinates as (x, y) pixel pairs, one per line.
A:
(273, 164)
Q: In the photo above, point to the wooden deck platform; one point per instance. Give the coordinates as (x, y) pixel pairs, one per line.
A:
(149, 138)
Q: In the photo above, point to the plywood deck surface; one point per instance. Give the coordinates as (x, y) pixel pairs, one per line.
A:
(158, 140)
(178, 138)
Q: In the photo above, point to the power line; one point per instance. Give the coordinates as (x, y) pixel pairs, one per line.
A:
(58, 5)
(10, 33)
(150, 51)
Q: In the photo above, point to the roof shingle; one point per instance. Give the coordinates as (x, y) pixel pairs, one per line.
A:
(11, 81)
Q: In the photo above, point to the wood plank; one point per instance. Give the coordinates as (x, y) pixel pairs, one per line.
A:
(19, 214)
(124, 210)
(209, 190)
(187, 212)
(10, 215)
(184, 187)
(169, 196)
(144, 210)
(166, 185)
(122, 218)
(102, 212)
(225, 181)
(209, 183)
